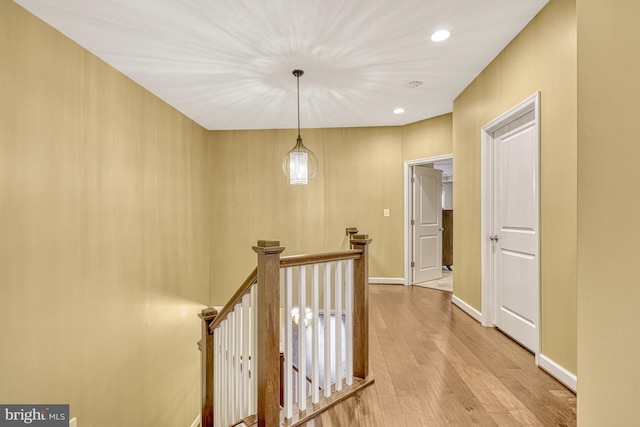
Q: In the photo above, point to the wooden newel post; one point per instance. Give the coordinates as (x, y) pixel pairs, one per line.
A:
(207, 315)
(268, 351)
(361, 307)
(350, 232)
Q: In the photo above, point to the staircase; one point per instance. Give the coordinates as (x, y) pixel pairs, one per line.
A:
(291, 342)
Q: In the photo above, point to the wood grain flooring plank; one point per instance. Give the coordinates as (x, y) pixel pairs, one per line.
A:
(436, 366)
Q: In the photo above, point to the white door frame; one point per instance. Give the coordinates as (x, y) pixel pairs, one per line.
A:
(529, 104)
(408, 249)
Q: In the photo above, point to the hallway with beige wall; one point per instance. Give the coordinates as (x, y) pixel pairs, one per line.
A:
(541, 58)
(121, 218)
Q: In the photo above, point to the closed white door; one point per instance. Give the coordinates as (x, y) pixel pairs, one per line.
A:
(427, 224)
(514, 233)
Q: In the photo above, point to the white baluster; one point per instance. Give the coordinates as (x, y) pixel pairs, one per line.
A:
(288, 352)
(239, 374)
(315, 374)
(348, 293)
(246, 334)
(302, 339)
(338, 327)
(327, 330)
(254, 346)
(237, 360)
(225, 374)
(217, 359)
(230, 369)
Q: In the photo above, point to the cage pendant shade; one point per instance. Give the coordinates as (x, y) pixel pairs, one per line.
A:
(300, 164)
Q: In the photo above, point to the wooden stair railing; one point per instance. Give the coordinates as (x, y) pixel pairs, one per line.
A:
(241, 343)
(211, 319)
(296, 369)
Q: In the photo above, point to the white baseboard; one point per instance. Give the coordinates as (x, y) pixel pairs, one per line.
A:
(386, 280)
(196, 422)
(558, 372)
(467, 308)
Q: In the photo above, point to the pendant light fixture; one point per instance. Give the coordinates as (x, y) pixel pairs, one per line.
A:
(300, 164)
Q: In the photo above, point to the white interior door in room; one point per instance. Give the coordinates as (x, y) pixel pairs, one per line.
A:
(513, 224)
(427, 224)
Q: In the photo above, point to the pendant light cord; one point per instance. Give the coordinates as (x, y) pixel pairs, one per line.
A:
(298, 87)
(298, 73)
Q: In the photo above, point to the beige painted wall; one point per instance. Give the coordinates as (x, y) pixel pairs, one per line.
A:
(360, 174)
(104, 247)
(427, 138)
(608, 212)
(541, 58)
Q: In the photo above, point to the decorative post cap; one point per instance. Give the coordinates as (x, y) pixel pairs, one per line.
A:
(208, 314)
(268, 243)
(361, 237)
(267, 246)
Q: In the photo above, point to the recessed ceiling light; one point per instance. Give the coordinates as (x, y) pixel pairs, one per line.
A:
(440, 35)
(398, 110)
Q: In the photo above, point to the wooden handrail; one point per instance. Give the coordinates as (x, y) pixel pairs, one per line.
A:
(242, 290)
(288, 261)
(306, 259)
(295, 368)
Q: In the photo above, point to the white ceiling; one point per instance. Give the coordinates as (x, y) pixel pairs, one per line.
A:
(227, 63)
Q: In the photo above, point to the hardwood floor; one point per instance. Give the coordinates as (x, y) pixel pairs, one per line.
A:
(435, 366)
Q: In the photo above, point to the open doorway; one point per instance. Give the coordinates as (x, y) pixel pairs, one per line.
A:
(428, 243)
